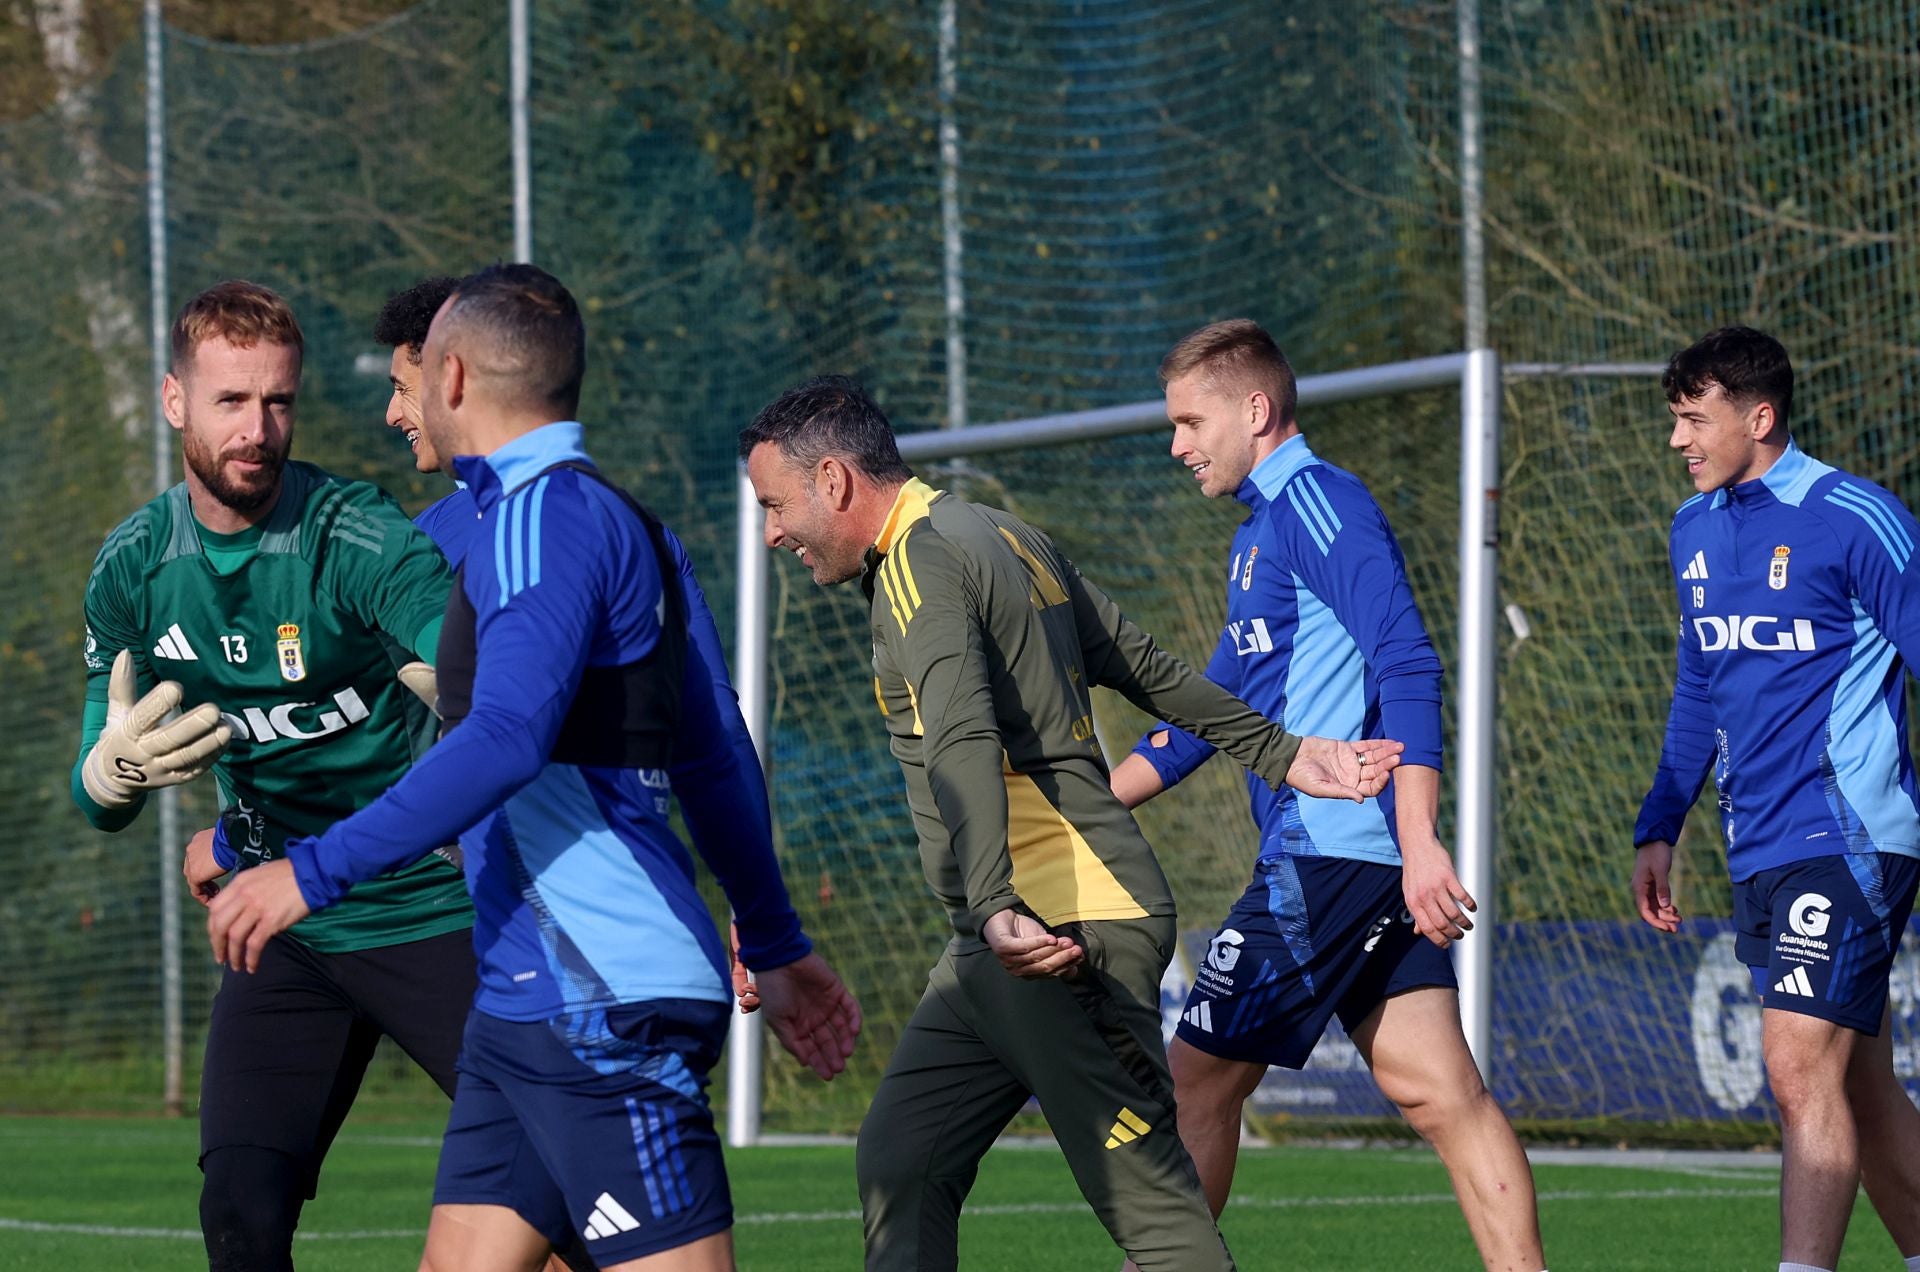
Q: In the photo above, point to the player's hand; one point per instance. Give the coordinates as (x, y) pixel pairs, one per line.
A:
(137, 753)
(424, 682)
(1331, 769)
(1028, 950)
(744, 989)
(257, 906)
(1435, 897)
(202, 871)
(1651, 892)
(811, 1012)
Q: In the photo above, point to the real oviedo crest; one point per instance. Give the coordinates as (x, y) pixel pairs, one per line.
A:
(292, 665)
(1777, 568)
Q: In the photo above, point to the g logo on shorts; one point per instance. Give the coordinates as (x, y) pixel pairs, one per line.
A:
(1809, 916)
(1223, 952)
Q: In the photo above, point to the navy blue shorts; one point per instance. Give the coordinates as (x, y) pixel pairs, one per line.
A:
(1819, 935)
(1310, 937)
(596, 1123)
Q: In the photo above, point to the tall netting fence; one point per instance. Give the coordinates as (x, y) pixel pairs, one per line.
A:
(742, 194)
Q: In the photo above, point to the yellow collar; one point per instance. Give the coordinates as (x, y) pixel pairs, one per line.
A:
(909, 506)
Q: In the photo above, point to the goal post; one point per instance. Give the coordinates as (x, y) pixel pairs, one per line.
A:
(1481, 380)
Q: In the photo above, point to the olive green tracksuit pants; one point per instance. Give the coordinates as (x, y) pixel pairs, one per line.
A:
(980, 1042)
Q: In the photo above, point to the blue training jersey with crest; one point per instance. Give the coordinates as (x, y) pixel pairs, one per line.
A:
(1799, 614)
(1322, 635)
(583, 895)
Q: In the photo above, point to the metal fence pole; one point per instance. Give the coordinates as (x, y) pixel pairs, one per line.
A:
(745, 1036)
(518, 75)
(954, 271)
(1476, 803)
(1473, 244)
(172, 1012)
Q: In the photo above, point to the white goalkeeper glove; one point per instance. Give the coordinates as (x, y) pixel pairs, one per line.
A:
(137, 753)
(420, 678)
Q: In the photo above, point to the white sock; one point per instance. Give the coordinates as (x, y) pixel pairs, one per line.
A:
(1802, 1267)
(1913, 1263)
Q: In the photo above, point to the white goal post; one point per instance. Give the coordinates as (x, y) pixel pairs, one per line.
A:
(1481, 378)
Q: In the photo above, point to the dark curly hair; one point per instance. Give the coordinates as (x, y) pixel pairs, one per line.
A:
(404, 319)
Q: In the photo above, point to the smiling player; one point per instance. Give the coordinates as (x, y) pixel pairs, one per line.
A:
(1799, 617)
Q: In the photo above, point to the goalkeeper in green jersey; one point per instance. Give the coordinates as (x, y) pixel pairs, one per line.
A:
(277, 601)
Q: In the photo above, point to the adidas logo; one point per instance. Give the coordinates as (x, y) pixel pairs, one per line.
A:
(1796, 983)
(609, 1218)
(1126, 1129)
(174, 645)
(1200, 1017)
(1697, 568)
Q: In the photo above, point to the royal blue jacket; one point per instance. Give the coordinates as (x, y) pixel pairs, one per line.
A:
(1322, 636)
(1799, 613)
(449, 522)
(583, 895)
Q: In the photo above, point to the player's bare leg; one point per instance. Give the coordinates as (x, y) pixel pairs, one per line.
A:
(1889, 1137)
(1889, 1131)
(708, 1254)
(1209, 1093)
(1419, 1056)
(482, 1239)
(497, 1239)
(1807, 1065)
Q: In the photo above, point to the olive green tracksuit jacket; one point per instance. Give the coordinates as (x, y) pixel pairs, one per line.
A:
(986, 643)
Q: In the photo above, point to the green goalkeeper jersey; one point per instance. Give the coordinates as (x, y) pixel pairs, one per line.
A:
(294, 629)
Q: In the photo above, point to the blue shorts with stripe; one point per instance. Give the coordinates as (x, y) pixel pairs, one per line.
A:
(1310, 937)
(1819, 935)
(593, 1122)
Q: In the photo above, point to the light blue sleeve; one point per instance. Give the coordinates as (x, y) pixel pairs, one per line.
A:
(1880, 536)
(1344, 550)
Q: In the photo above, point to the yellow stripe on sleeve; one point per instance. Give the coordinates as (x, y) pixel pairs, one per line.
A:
(906, 571)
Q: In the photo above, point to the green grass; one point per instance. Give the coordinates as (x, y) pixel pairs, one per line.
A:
(119, 1193)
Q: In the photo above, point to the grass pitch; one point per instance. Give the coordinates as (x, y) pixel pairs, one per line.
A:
(121, 1193)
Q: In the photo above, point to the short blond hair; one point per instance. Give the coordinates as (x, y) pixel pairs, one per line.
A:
(239, 312)
(1237, 354)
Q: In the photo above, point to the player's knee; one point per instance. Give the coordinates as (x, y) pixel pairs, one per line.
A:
(1803, 1087)
(885, 1167)
(1806, 1080)
(250, 1202)
(1434, 1104)
(890, 1170)
(1208, 1087)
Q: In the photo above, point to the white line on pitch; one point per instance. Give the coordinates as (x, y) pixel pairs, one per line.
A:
(1029, 1208)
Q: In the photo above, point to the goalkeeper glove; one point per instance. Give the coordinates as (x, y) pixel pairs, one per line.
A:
(136, 753)
(420, 678)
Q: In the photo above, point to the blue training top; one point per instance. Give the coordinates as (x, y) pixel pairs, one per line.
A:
(1799, 613)
(449, 521)
(1322, 635)
(583, 895)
